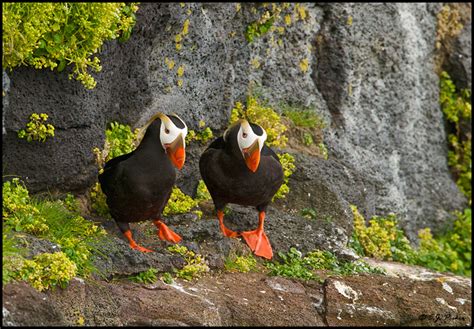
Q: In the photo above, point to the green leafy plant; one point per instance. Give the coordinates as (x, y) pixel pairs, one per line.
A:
(51, 220)
(202, 193)
(243, 264)
(167, 278)
(119, 140)
(179, 203)
(287, 161)
(263, 115)
(12, 256)
(48, 270)
(309, 213)
(148, 276)
(36, 129)
(305, 118)
(383, 239)
(56, 34)
(259, 27)
(202, 136)
(195, 263)
(456, 107)
(294, 265)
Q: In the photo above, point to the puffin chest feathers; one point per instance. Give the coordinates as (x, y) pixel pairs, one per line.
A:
(241, 186)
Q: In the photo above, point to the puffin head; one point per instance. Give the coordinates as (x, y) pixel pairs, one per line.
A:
(172, 132)
(250, 139)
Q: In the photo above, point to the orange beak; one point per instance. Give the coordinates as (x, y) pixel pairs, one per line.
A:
(252, 156)
(175, 151)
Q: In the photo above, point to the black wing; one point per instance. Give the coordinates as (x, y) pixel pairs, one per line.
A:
(218, 143)
(268, 151)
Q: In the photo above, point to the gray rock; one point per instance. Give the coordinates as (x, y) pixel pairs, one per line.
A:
(372, 80)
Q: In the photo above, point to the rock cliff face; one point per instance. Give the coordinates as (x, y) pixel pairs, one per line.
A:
(370, 75)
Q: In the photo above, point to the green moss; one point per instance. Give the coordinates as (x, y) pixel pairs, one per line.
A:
(195, 263)
(55, 34)
(287, 161)
(383, 239)
(36, 129)
(456, 107)
(243, 264)
(148, 276)
(48, 271)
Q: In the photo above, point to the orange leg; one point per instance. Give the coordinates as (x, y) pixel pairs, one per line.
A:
(165, 233)
(228, 233)
(257, 240)
(133, 244)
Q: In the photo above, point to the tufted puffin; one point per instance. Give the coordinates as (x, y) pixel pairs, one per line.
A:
(239, 168)
(138, 184)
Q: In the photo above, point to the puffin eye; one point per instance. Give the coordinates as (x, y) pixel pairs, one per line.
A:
(167, 131)
(244, 135)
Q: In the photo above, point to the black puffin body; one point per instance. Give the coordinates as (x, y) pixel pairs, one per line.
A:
(249, 176)
(139, 184)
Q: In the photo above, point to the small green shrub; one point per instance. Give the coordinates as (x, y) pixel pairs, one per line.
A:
(293, 266)
(309, 213)
(296, 266)
(70, 203)
(51, 220)
(19, 213)
(12, 256)
(179, 203)
(202, 136)
(456, 107)
(148, 276)
(243, 264)
(287, 161)
(265, 116)
(119, 140)
(259, 27)
(36, 129)
(99, 201)
(167, 278)
(383, 239)
(195, 263)
(48, 271)
(305, 118)
(55, 34)
(202, 193)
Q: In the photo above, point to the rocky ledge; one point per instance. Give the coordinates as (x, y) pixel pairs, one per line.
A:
(407, 295)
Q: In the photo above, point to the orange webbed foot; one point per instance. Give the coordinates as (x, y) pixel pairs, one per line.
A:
(258, 242)
(228, 233)
(140, 248)
(166, 234)
(133, 244)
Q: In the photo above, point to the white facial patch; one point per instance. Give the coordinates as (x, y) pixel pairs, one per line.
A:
(169, 131)
(246, 137)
